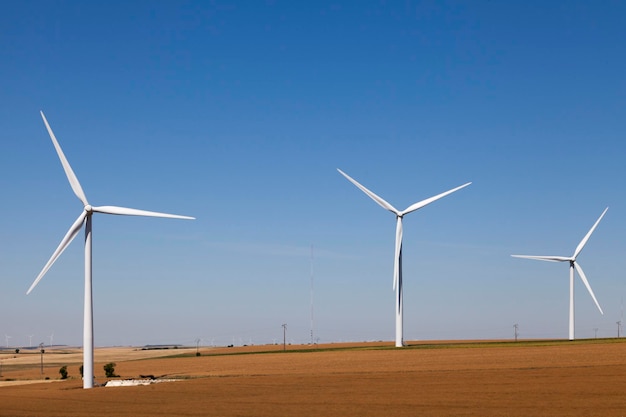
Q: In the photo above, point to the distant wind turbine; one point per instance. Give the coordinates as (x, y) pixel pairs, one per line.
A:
(572, 265)
(85, 218)
(7, 337)
(397, 267)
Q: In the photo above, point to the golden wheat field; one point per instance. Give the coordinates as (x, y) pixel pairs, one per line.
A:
(530, 378)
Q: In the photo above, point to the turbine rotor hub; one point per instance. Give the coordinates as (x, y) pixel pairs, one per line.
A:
(88, 208)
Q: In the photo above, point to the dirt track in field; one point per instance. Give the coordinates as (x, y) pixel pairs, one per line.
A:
(474, 379)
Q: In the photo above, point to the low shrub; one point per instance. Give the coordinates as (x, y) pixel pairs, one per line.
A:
(109, 370)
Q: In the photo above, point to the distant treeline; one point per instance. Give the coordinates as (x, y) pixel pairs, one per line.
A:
(157, 347)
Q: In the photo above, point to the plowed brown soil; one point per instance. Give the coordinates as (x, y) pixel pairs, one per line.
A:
(446, 379)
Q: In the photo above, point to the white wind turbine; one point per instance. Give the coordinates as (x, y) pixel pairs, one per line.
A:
(85, 218)
(572, 265)
(397, 267)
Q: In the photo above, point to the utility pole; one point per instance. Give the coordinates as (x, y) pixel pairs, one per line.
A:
(197, 346)
(41, 349)
(621, 316)
(284, 336)
(516, 327)
(311, 295)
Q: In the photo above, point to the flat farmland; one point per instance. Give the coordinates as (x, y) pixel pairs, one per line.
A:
(528, 378)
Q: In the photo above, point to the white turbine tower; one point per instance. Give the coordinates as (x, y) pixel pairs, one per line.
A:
(572, 265)
(85, 218)
(397, 268)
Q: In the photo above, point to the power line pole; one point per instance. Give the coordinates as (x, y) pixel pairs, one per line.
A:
(621, 316)
(284, 336)
(41, 350)
(516, 327)
(312, 296)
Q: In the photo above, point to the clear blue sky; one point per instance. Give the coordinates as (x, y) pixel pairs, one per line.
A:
(239, 113)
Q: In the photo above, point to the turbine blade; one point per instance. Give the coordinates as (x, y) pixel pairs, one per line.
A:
(134, 212)
(373, 196)
(67, 239)
(584, 279)
(396, 261)
(426, 202)
(583, 242)
(78, 190)
(544, 258)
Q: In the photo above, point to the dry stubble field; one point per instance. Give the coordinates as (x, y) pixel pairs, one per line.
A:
(586, 378)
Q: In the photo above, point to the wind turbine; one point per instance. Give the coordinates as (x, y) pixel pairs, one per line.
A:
(85, 218)
(572, 265)
(7, 337)
(397, 266)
